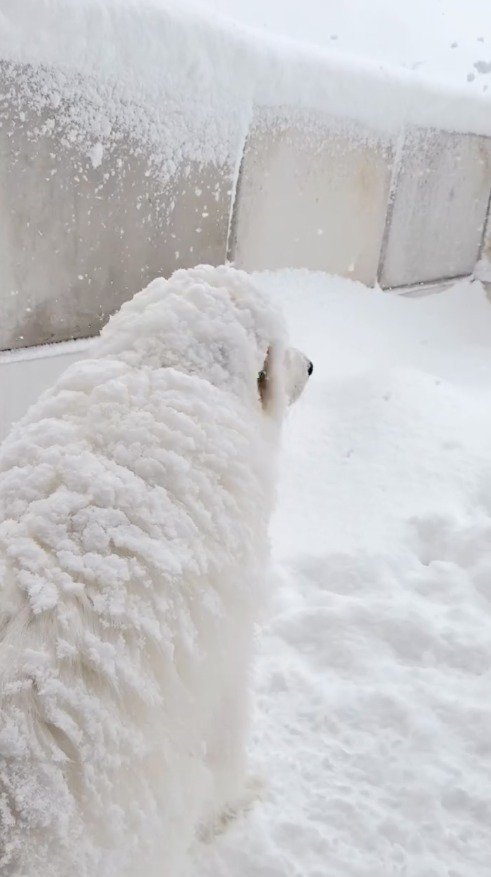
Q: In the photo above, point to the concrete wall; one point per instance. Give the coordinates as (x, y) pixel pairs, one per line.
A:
(82, 230)
(436, 221)
(486, 246)
(340, 199)
(312, 194)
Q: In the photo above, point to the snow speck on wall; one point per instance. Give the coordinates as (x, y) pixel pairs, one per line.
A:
(96, 154)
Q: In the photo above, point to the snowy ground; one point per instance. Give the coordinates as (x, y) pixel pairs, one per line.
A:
(373, 721)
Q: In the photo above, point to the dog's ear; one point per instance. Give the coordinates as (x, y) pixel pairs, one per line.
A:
(264, 379)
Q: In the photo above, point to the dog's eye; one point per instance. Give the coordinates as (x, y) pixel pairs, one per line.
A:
(261, 377)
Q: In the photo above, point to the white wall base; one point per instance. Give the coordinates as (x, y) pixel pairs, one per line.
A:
(23, 379)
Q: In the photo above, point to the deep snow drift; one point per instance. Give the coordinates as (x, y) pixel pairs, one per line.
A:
(373, 715)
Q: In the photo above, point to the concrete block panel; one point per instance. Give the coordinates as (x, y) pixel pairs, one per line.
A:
(81, 231)
(438, 211)
(312, 193)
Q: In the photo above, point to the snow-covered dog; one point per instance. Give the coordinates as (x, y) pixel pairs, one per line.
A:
(134, 505)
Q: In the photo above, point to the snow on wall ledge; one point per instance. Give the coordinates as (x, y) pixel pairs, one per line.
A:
(123, 127)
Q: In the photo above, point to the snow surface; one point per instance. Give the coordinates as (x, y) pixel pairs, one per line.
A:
(135, 497)
(448, 40)
(184, 83)
(372, 726)
(373, 718)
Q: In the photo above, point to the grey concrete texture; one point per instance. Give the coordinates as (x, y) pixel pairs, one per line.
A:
(486, 244)
(312, 193)
(438, 208)
(81, 232)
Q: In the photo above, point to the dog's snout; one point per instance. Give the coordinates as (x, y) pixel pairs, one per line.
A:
(298, 369)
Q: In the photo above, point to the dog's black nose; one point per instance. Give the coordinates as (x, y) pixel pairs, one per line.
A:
(310, 368)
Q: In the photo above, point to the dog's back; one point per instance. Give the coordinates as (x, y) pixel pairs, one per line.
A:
(134, 506)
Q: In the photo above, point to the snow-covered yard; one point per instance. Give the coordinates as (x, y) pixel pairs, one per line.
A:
(372, 728)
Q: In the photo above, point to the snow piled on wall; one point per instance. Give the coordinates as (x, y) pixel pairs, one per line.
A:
(184, 84)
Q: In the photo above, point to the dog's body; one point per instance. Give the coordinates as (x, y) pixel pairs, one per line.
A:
(134, 506)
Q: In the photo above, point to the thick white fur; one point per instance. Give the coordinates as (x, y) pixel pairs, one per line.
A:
(134, 505)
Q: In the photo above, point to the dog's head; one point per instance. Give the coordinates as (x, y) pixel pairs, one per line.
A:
(296, 368)
(212, 323)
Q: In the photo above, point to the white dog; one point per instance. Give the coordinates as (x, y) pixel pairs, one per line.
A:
(134, 505)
